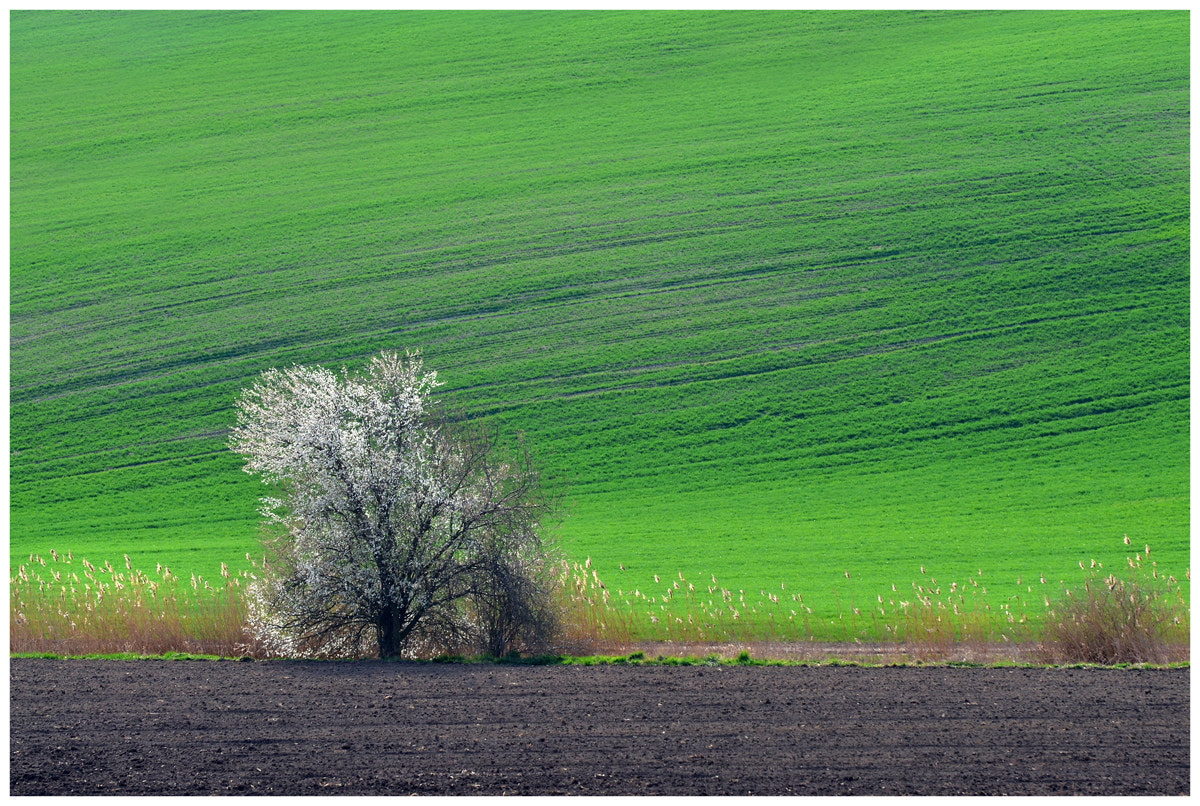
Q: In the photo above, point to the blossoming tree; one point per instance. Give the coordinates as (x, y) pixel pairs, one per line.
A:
(394, 526)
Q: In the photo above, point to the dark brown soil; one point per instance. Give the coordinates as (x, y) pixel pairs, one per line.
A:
(199, 727)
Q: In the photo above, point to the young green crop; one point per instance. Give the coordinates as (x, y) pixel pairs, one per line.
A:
(774, 295)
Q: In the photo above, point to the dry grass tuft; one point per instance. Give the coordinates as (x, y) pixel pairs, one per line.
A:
(588, 623)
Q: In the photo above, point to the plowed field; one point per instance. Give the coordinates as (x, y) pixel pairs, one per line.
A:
(109, 727)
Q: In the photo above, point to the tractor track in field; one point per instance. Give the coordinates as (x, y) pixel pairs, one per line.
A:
(290, 727)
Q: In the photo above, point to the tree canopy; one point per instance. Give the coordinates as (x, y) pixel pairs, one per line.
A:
(394, 527)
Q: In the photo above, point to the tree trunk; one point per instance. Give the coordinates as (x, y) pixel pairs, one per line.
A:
(389, 640)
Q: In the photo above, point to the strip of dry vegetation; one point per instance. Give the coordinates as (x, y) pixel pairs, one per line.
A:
(929, 621)
(71, 607)
(75, 608)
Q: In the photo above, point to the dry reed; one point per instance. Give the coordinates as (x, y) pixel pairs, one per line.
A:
(931, 621)
(72, 607)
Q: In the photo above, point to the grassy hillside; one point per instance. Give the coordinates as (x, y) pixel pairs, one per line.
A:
(776, 295)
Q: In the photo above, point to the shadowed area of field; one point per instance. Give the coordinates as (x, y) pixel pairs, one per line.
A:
(198, 727)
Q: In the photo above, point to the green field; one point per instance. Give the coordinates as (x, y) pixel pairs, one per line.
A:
(776, 296)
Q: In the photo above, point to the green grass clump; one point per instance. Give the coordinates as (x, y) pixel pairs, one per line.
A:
(776, 295)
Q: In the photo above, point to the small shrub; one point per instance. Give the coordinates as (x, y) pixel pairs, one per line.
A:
(1137, 618)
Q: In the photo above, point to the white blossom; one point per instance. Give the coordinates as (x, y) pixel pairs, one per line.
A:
(382, 510)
